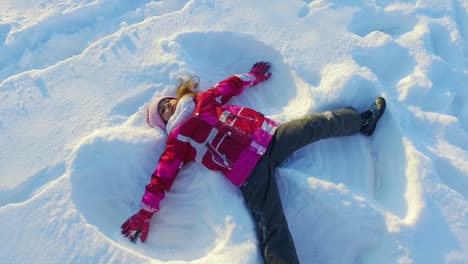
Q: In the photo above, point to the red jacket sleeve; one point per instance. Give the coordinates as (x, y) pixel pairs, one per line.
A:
(229, 87)
(164, 175)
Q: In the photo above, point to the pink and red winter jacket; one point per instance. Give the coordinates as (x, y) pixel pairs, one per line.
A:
(225, 138)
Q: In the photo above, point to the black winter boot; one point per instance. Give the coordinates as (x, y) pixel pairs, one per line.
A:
(370, 117)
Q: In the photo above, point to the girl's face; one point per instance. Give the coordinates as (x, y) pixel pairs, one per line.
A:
(167, 108)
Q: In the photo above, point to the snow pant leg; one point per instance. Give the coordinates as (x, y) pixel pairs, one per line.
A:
(296, 134)
(262, 198)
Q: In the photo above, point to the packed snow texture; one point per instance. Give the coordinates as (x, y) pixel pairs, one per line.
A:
(76, 152)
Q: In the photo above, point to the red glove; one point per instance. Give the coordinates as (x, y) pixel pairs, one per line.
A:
(259, 71)
(137, 225)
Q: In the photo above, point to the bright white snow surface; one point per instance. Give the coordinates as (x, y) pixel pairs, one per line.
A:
(76, 152)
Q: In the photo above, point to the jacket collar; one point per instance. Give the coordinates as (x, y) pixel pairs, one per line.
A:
(184, 110)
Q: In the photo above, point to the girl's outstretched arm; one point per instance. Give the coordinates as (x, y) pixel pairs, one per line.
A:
(234, 85)
(161, 181)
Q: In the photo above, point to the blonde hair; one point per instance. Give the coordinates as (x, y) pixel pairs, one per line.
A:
(188, 87)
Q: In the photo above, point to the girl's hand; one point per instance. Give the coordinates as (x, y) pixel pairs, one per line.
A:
(259, 71)
(137, 225)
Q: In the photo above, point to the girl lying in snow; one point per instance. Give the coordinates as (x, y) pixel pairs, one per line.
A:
(244, 145)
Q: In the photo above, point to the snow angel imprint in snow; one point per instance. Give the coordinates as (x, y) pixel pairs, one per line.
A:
(242, 144)
(203, 50)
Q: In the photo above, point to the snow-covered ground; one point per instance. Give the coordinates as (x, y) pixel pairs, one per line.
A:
(76, 153)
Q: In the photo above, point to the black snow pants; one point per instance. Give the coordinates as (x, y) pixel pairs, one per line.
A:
(261, 192)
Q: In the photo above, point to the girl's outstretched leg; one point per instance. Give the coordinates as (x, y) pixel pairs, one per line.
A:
(262, 198)
(298, 133)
